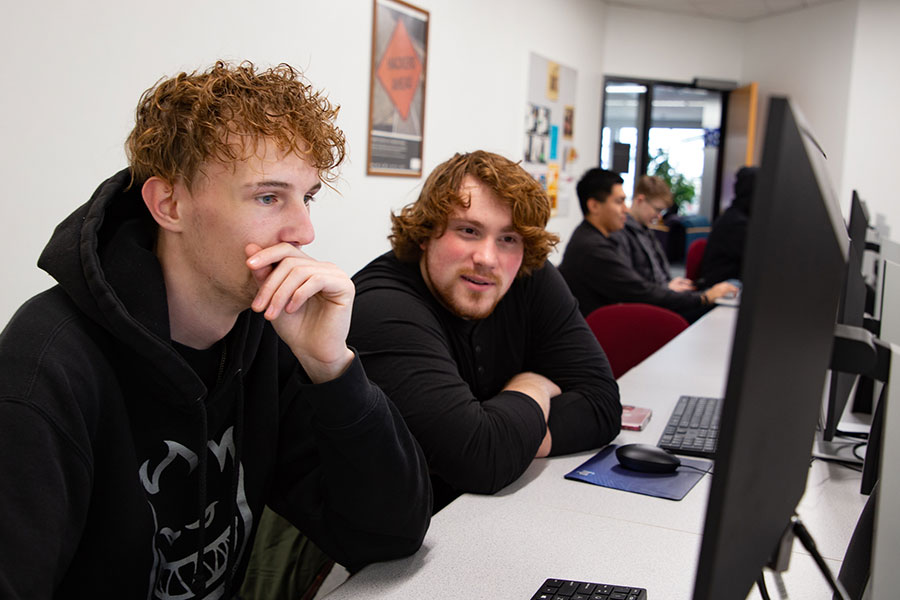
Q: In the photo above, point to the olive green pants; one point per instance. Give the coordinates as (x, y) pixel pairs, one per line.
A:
(284, 563)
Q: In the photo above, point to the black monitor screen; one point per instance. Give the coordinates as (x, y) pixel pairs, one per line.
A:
(795, 261)
(851, 311)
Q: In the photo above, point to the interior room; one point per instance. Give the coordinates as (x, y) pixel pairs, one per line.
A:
(75, 71)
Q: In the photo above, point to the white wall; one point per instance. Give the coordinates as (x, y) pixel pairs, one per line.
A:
(73, 73)
(807, 55)
(672, 47)
(873, 124)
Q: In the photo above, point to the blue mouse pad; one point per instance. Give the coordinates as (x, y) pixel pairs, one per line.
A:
(604, 469)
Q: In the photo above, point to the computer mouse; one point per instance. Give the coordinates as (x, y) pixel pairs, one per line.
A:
(647, 459)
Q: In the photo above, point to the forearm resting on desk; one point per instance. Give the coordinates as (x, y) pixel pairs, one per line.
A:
(537, 387)
(541, 390)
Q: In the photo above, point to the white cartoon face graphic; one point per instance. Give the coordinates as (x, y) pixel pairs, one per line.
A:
(171, 484)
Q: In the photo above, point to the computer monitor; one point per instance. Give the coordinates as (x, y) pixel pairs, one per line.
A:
(795, 260)
(851, 311)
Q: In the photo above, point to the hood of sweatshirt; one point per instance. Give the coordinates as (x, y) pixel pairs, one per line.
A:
(103, 256)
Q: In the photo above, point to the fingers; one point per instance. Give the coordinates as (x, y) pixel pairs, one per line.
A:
(680, 284)
(722, 289)
(260, 273)
(289, 278)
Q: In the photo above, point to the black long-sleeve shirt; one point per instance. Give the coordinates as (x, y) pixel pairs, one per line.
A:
(724, 254)
(446, 374)
(598, 275)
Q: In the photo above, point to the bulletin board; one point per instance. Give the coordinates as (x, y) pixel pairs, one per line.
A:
(550, 121)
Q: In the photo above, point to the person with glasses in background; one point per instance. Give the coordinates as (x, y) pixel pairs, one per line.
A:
(594, 264)
(637, 242)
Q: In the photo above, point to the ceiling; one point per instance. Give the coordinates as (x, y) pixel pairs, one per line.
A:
(731, 10)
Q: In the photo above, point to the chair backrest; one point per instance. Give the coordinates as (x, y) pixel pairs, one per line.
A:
(630, 332)
(694, 258)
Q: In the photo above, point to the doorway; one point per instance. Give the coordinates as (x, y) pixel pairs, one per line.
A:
(668, 129)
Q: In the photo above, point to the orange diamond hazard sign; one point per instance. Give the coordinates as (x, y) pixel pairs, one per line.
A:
(400, 70)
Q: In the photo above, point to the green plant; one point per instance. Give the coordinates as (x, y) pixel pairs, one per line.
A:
(683, 191)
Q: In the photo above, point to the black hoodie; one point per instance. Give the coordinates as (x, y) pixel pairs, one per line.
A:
(118, 463)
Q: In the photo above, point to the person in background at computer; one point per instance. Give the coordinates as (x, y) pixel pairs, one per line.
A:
(723, 258)
(593, 264)
(475, 336)
(637, 242)
(191, 365)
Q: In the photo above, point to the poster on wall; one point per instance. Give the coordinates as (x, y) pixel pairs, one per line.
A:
(549, 150)
(397, 89)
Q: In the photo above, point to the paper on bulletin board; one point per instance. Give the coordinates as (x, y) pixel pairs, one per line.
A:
(552, 81)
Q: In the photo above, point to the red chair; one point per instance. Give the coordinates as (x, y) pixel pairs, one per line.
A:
(694, 258)
(630, 332)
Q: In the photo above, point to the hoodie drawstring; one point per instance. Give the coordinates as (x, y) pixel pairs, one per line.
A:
(233, 556)
(198, 586)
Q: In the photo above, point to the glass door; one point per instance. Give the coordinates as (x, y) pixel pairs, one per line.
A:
(666, 129)
(624, 124)
(683, 145)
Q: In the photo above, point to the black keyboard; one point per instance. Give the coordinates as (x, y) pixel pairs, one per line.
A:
(693, 427)
(565, 589)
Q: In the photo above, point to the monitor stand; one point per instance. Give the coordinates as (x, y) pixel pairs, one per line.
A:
(781, 557)
(840, 450)
(849, 446)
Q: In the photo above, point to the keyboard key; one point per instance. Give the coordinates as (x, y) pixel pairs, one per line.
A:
(567, 588)
(549, 589)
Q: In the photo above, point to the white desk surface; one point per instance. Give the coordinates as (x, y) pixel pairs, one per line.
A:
(543, 526)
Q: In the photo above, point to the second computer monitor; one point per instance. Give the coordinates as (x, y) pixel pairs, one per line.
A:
(794, 265)
(851, 311)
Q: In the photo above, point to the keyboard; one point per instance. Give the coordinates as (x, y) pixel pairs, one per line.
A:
(693, 427)
(566, 589)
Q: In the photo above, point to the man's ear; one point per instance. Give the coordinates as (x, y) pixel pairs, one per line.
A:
(160, 199)
(592, 205)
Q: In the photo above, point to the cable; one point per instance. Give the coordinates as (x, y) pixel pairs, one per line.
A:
(761, 584)
(839, 461)
(701, 469)
(857, 447)
(806, 539)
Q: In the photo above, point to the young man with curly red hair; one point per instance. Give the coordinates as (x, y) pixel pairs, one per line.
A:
(191, 365)
(475, 336)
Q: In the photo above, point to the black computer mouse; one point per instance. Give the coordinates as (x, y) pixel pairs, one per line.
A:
(647, 459)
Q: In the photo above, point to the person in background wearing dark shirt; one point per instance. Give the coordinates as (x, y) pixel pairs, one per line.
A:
(639, 244)
(475, 336)
(593, 264)
(191, 367)
(723, 258)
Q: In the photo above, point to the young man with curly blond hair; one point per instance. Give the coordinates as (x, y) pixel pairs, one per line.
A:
(475, 336)
(191, 365)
